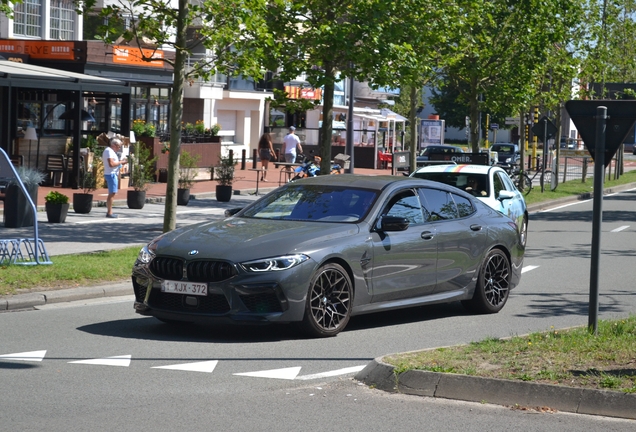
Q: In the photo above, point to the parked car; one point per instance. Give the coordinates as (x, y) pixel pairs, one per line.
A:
(507, 153)
(320, 250)
(437, 149)
(492, 186)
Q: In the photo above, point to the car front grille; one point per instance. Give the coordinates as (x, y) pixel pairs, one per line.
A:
(197, 271)
(210, 304)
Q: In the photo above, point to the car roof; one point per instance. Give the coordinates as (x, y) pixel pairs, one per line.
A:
(466, 169)
(378, 183)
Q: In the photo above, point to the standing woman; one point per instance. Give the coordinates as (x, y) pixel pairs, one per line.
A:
(265, 152)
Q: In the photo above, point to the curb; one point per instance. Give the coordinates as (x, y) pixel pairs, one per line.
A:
(33, 299)
(586, 196)
(498, 391)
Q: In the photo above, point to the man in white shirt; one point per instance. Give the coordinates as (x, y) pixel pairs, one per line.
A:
(291, 142)
(111, 172)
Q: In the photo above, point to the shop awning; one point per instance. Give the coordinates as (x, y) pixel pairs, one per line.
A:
(13, 74)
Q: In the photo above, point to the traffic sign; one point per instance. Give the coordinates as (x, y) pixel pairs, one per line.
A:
(621, 116)
(512, 120)
(494, 126)
(539, 129)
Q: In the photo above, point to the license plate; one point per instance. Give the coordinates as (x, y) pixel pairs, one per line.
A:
(190, 288)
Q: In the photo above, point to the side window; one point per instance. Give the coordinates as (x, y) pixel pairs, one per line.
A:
(407, 205)
(438, 205)
(464, 206)
(497, 184)
(507, 182)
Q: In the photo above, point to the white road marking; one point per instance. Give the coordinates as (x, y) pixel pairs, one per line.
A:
(25, 356)
(563, 206)
(205, 366)
(332, 373)
(619, 229)
(286, 373)
(528, 268)
(123, 360)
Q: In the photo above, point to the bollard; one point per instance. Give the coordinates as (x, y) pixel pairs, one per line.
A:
(243, 159)
(254, 156)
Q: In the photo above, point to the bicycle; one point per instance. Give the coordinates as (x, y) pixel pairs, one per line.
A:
(516, 174)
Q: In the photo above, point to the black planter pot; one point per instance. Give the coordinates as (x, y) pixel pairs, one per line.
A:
(56, 213)
(136, 199)
(223, 193)
(18, 212)
(183, 196)
(82, 203)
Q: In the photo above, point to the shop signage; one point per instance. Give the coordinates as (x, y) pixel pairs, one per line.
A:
(295, 92)
(132, 56)
(41, 50)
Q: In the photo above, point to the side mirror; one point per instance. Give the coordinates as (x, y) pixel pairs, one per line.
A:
(504, 194)
(232, 212)
(392, 223)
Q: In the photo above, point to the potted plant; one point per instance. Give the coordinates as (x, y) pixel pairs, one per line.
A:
(224, 176)
(188, 169)
(17, 209)
(142, 170)
(56, 205)
(83, 202)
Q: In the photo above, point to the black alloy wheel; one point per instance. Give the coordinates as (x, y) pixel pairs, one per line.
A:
(328, 304)
(493, 285)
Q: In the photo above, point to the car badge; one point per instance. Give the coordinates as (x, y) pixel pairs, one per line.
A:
(193, 252)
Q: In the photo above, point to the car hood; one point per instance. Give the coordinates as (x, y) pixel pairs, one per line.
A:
(242, 239)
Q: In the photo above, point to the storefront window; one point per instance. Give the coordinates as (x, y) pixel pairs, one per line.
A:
(27, 18)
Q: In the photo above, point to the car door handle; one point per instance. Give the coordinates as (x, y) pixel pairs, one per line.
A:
(427, 235)
(475, 227)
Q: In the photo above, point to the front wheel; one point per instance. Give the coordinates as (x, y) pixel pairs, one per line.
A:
(328, 303)
(493, 285)
(527, 183)
(547, 179)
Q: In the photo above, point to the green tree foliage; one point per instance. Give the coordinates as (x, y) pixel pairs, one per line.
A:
(207, 36)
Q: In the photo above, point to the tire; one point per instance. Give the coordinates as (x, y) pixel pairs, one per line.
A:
(329, 301)
(523, 232)
(527, 183)
(493, 285)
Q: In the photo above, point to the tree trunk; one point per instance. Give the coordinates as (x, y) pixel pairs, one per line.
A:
(413, 125)
(176, 115)
(327, 120)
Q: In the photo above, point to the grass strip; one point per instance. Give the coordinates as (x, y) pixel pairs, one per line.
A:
(69, 271)
(572, 357)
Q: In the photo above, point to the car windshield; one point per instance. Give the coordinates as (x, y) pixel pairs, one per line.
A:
(313, 203)
(503, 148)
(438, 150)
(476, 184)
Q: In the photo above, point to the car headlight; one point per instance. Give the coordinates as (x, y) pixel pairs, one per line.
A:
(147, 253)
(508, 160)
(274, 264)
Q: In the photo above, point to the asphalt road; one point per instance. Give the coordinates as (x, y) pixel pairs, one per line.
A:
(95, 365)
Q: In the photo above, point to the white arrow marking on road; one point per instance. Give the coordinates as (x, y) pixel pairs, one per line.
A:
(528, 268)
(332, 373)
(123, 360)
(287, 373)
(25, 356)
(206, 366)
(619, 229)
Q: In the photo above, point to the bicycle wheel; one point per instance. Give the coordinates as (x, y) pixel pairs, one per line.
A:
(547, 179)
(527, 183)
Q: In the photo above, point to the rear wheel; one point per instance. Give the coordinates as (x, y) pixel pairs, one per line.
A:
(328, 304)
(493, 285)
(523, 232)
(547, 179)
